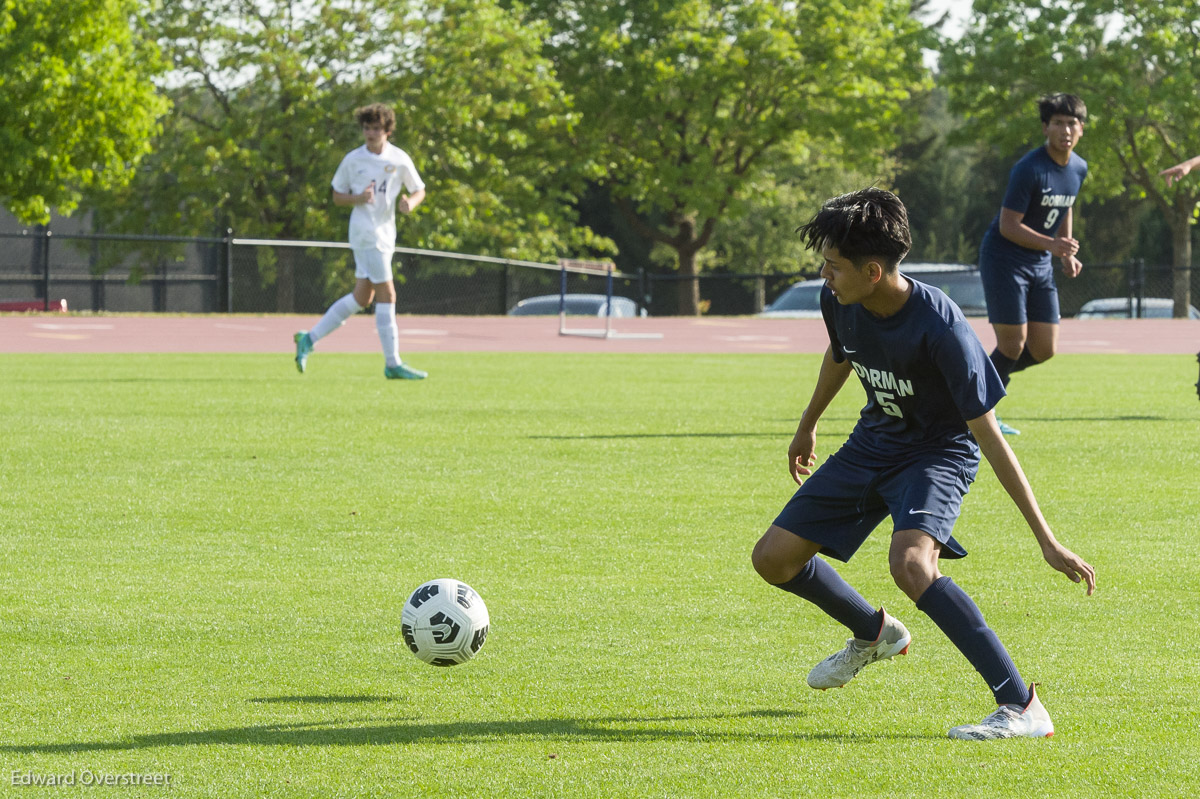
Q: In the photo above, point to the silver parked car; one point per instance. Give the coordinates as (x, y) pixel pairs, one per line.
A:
(576, 305)
(1127, 308)
(960, 282)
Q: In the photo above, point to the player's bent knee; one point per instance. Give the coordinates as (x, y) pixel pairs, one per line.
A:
(780, 555)
(763, 563)
(911, 573)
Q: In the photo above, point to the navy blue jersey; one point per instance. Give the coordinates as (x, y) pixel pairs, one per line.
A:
(925, 373)
(1042, 191)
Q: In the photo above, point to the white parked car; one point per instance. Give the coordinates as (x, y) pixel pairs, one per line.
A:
(1127, 308)
(961, 283)
(576, 305)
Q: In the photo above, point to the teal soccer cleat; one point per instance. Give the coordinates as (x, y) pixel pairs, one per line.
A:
(1006, 429)
(304, 348)
(403, 372)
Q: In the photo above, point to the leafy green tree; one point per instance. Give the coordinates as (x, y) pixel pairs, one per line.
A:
(265, 91)
(77, 104)
(688, 104)
(1132, 61)
(952, 189)
(763, 241)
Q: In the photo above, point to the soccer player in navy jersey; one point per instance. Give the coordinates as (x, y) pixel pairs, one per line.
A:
(1033, 225)
(931, 390)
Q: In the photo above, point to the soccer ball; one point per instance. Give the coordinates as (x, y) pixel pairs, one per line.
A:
(444, 622)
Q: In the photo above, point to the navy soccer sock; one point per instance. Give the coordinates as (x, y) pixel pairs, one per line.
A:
(1004, 365)
(1024, 361)
(821, 585)
(957, 615)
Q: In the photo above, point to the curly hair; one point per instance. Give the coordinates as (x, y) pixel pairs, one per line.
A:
(376, 114)
(869, 223)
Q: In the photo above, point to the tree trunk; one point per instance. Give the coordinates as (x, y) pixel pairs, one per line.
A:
(689, 284)
(1181, 239)
(285, 279)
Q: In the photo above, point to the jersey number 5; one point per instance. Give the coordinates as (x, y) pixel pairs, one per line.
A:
(884, 398)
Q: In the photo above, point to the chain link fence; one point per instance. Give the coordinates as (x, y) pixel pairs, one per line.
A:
(112, 272)
(305, 277)
(124, 273)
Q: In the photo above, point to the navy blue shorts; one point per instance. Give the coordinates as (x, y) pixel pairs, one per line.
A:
(843, 502)
(1019, 294)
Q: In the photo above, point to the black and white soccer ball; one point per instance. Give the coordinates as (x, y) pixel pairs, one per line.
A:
(444, 622)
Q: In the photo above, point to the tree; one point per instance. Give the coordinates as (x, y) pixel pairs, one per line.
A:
(952, 190)
(265, 90)
(688, 104)
(497, 129)
(1133, 62)
(77, 104)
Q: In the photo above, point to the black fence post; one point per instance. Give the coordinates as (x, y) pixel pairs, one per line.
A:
(228, 270)
(1140, 265)
(46, 270)
(97, 280)
(505, 288)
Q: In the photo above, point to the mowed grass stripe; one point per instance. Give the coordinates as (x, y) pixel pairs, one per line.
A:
(206, 558)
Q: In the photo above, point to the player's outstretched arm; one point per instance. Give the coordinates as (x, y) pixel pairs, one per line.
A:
(802, 452)
(1174, 173)
(1008, 471)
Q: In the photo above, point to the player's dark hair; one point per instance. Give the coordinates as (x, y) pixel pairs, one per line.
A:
(376, 114)
(1065, 104)
(863, 225)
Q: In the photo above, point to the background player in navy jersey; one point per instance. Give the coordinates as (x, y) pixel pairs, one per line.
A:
(913, 454)
(1034, 224)
(371, 180)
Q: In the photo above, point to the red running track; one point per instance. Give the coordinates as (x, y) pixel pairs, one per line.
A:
(46, 333)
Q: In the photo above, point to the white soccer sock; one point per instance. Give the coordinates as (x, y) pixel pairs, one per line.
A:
(334, 318)
(389, 334)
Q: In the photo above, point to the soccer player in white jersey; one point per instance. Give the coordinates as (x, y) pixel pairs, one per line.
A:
(372, 180)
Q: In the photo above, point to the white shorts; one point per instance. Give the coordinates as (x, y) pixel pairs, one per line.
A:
(374, 265)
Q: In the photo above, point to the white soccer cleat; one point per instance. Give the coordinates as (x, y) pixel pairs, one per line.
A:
(1009, 721)
(840, 667)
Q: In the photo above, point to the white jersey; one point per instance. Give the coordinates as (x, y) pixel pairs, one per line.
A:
(373, 224)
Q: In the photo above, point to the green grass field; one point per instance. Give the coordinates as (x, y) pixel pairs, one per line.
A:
(205, 558)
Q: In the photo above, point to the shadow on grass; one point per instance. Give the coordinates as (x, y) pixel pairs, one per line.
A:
(582, 437)
(321, 700)
(1126, 418)
(375, 732)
